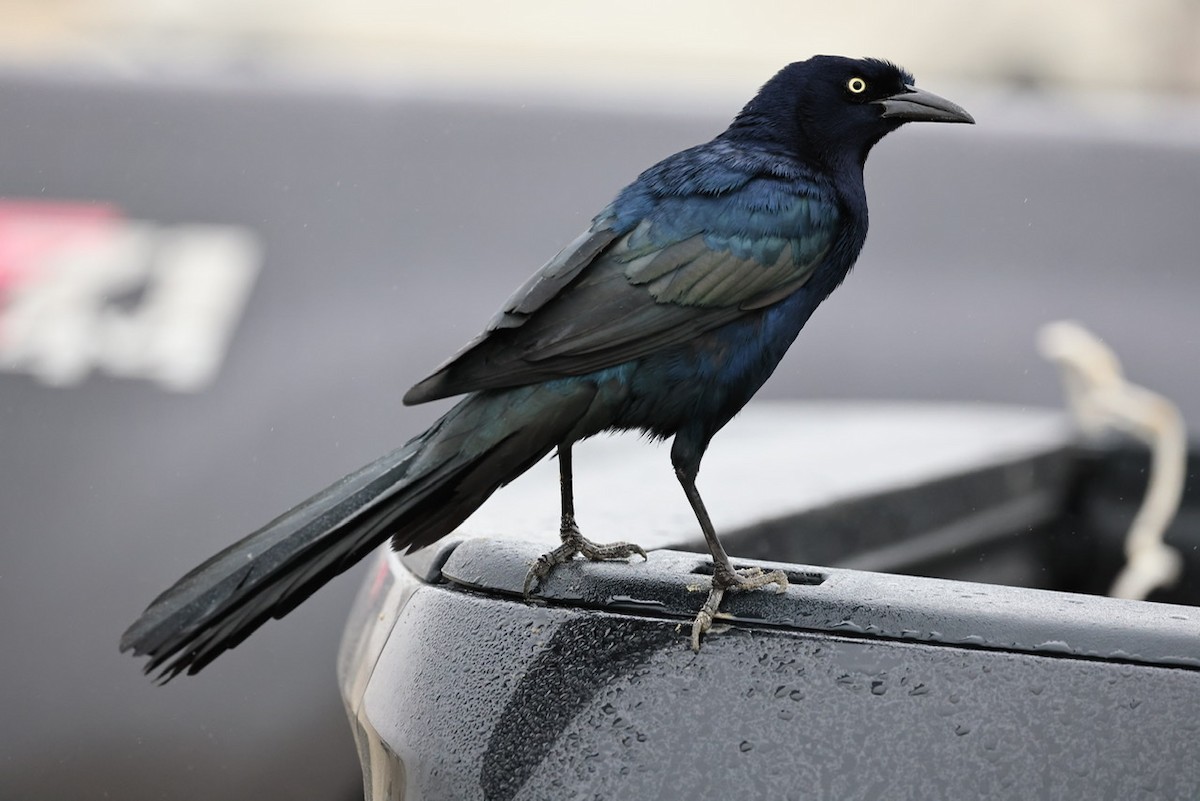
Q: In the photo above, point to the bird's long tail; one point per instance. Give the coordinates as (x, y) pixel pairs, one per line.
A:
(416, 494)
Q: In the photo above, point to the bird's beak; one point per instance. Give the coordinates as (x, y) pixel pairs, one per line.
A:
(917, 105)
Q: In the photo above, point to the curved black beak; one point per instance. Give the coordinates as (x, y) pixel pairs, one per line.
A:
(917, 105)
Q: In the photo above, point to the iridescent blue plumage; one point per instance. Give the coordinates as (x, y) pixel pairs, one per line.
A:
(666, 316)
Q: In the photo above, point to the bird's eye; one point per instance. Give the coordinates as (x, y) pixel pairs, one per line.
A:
(856, 85)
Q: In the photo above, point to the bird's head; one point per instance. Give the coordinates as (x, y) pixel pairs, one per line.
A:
(833, 108)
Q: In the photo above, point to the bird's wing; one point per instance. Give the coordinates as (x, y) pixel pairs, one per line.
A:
(692, 265)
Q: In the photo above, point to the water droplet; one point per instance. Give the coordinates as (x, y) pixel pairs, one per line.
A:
(878, 688)
(960, 730)
(919, 689)
(785, 714)
(629, 600)
(745, 746)
(796, 695)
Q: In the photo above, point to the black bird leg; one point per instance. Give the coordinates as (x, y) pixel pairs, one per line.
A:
(724, 576)
(573, 542)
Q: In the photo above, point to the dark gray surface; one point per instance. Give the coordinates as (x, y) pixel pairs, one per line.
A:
(855, 602)
(478, 696)
(393, 228)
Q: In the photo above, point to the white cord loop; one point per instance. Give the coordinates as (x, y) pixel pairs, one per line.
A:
(1100, 398)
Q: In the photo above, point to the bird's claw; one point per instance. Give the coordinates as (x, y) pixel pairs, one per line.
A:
(575, 543)
(542, 566)
(704, 618)
(751, 578)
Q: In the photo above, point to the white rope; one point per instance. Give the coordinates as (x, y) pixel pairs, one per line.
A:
(1100, 398)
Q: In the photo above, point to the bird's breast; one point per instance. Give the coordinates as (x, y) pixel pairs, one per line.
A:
(709, 379)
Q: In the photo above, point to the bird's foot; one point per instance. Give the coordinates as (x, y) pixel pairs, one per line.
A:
(575, 543)
(751, 578)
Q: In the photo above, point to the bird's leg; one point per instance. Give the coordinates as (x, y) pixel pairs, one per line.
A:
(724, 576)
(573, 542)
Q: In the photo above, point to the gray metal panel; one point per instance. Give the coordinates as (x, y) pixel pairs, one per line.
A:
(478, 696)
(838, 601)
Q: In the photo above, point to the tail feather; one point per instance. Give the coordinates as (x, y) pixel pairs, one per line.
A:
(415, 494)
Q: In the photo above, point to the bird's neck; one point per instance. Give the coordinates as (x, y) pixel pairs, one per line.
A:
(836, 158)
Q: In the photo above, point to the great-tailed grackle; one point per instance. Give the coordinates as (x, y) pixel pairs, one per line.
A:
(665, 316)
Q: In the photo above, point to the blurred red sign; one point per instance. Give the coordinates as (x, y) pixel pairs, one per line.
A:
(84, 288)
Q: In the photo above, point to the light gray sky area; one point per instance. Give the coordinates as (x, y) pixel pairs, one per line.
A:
(703, 46)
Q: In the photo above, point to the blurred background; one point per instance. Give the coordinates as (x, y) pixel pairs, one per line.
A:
(233, 233)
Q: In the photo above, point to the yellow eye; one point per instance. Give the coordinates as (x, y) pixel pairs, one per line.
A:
(856, 85)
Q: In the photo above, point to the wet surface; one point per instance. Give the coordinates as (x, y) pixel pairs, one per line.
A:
(538, 702)
(858, 603)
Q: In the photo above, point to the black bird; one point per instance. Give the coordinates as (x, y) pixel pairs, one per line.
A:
(665, 316)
